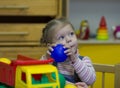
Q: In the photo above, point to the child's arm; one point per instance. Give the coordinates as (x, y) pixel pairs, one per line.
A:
(85, 70)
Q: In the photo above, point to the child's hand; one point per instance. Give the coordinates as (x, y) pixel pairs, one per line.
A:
(81, 85)
(70, 52)
(50, 49)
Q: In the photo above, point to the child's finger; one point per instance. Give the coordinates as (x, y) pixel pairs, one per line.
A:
(48, 52)
(50, 49)
(82, 84)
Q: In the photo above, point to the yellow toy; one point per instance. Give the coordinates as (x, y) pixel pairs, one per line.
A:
(26, 72)
(102, 32)
(5, 60)
(69, 85)
(36, 69)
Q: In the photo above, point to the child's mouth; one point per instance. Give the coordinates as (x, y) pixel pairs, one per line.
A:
(72, 46)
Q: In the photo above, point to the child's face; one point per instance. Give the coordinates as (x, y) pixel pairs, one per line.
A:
(66, 36)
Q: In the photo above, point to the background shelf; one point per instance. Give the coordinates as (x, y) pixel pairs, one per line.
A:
(95, 41)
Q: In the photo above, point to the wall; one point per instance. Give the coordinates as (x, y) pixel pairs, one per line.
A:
(92, 10)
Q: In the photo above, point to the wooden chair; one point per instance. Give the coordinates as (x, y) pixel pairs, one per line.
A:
(104, 68)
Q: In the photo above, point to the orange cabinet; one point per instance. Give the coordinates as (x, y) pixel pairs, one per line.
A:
(30, 7)
(21, 32)
(18, 36)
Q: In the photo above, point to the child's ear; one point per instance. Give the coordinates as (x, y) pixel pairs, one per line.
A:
(48, 44)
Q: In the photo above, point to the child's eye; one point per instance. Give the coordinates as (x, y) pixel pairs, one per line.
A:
(61, 37)
(71, 34)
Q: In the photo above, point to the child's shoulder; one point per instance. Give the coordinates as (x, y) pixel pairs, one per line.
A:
(84, 57)
(81, 57)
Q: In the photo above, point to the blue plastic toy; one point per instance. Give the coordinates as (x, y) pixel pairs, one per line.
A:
(58, 53)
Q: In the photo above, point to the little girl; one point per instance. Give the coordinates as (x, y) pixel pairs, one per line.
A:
(76, 69)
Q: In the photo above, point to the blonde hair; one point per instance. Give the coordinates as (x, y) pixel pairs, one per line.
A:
(51, 26)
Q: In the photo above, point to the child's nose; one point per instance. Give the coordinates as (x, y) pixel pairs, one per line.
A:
(68, 39)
